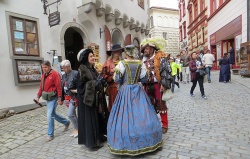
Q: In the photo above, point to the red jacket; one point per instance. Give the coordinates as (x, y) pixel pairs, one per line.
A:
(52, 83)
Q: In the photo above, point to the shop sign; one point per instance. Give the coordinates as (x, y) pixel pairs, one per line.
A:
(54, 19)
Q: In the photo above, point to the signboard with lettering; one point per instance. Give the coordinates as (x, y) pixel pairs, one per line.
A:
(54, 19)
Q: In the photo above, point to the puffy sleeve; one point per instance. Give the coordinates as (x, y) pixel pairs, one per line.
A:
(144, 74)
(119, 71)
(157, 64)
(108, 74)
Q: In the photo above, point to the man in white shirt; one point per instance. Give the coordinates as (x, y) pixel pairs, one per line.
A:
(208, 60)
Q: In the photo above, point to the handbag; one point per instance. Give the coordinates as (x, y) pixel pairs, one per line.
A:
(48, 95)
(205, 79)
(202, 72)
(167, 95)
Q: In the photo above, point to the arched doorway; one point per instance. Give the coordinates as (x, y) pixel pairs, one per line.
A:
(73, 43)
(117, 37)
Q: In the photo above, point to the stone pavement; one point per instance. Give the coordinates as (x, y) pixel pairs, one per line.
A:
(214, 128)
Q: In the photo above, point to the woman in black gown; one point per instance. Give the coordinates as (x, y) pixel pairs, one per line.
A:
(92, 110)
(224, 69)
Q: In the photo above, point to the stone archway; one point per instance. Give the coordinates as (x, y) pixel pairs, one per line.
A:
(73, 43)
(77, 28)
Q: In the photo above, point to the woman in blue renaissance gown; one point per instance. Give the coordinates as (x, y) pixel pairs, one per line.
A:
(133, 126)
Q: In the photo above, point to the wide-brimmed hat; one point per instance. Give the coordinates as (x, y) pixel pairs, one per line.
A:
(83, 53)
(115, 47)
(143, 46)
(158, 43)
(131, 51)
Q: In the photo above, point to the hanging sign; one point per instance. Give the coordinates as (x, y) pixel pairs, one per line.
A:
(54, 19)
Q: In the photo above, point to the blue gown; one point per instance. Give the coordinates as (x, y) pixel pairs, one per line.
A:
(133, 126)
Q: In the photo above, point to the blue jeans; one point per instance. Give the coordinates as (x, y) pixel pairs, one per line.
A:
(51, 115)
(72, 114)
(208, 69)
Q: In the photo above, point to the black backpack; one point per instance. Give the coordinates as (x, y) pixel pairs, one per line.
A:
(165, 72)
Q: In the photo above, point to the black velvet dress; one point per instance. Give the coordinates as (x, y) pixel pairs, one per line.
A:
(92, 121)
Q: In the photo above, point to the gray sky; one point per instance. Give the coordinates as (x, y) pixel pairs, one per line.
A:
(164, 3)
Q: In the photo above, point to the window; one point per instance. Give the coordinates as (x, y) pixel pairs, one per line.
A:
(184, 29)
(197, 39)
(151, 22)
(184, 8)
(164, 34)
(195, 11)
(203, 35)
(180, 33)
(191, 42)
(24, 37)
(180, 13)
(190, 16)
(202, 5)
(214, 5)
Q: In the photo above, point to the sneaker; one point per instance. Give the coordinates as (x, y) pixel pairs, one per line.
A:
(67, 126)
(75, 135)
(192, 95)
(204, 97)
(209, 81)
(50, 138)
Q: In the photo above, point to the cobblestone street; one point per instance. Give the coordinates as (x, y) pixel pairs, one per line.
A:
(214, 128)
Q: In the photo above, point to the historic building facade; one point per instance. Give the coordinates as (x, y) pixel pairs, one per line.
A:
(183, 21)
(164, 22)
(227, 27)
(197, 27)
(196, 14)
(217, 25)
(32, 36)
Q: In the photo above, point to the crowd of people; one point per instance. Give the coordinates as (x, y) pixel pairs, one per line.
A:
(120, 104)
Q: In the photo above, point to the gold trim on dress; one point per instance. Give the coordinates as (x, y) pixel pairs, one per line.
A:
(136, 152)
(138, 72)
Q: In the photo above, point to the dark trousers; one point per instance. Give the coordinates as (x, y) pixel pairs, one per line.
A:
(173, 83)
(179, 75)
(198, 79)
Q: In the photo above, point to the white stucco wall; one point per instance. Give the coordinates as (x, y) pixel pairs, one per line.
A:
(231, 11)
(52, 38)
